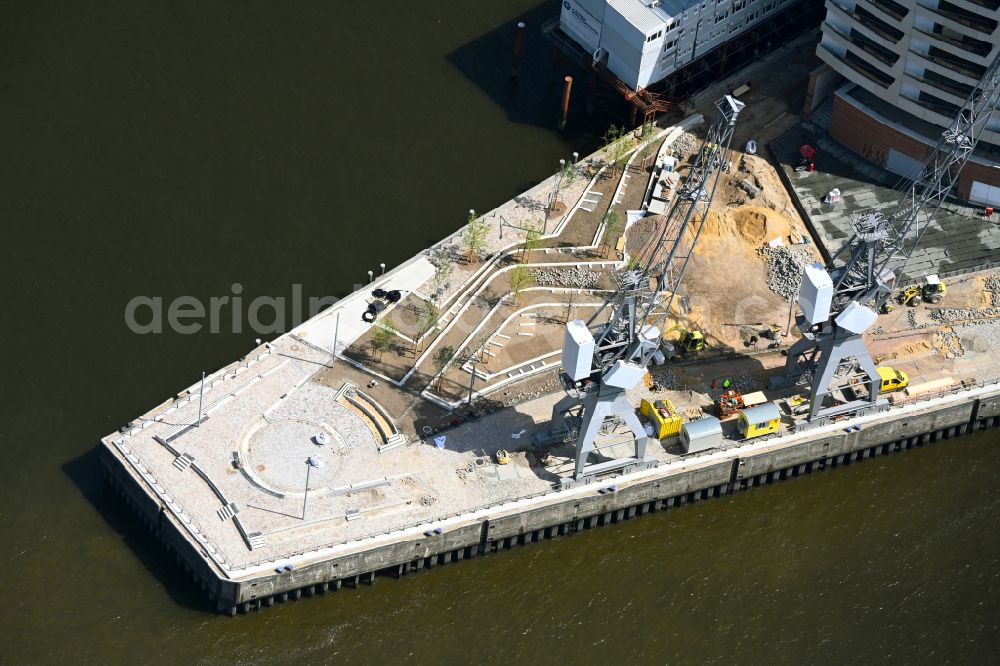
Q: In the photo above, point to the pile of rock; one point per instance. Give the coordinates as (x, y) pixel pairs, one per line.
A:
(745, 383)
(946, 315)
(993, 289)
(685, 143)
(666, 379)
(580, 278)
(785, 266)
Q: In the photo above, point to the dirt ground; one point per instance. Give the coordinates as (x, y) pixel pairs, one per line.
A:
(725, 286)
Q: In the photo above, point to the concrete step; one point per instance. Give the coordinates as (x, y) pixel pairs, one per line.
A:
(823, 114)
(183, 461)
(227, 512)
(395, 440)
(256, 540)
(348, 386)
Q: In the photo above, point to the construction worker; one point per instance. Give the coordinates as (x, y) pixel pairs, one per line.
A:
(726, 384)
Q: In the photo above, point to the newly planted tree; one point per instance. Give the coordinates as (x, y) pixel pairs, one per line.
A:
(613, 225)
(442, 357)
(382, 333)
(443, 267)
(518, 279)
(474, 236)
(570, 297)
(532, 237)
(617, 145)
(427, 321)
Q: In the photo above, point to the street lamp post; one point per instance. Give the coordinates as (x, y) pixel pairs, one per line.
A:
(310, 463)
(305, 496)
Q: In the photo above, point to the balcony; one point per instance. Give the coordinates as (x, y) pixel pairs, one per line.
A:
(960, 65)
(964, 17)
(876, 25)
(869, 46)
(890, 8)
(871, 22)
(946, 66)
(973, 46)
(959, 90)
(935, 104)
(862, 66)
(991, 5)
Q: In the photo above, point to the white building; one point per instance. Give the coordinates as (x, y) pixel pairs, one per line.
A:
(644, 41)
(910, 65)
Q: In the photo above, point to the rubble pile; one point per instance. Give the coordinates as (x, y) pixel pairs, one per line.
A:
(980, 336)
(685, 143)
(785, 266)
(580, 278)
(745, 383)
(666, 379)
(993, 289)
(946, 315)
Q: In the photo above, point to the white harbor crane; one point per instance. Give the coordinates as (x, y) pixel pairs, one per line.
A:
(602, 361)
(840, 301)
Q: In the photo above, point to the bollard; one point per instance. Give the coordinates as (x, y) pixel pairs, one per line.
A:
(565, 102)
(518, 50)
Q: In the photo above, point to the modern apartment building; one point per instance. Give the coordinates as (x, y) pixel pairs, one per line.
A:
(642, 42)
(910, 65)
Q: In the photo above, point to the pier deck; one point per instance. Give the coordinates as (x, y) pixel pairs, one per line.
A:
(233, 488)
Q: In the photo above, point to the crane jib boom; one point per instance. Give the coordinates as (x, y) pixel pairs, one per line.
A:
(634, 301)
(603, 361)
(841, 301)
(888, 235)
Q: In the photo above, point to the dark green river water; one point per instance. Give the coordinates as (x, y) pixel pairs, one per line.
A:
(169, 149)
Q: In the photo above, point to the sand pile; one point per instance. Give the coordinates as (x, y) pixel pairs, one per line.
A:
(750, 223)
(911, 349)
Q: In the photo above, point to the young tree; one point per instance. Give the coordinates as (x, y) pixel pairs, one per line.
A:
(441, 260)
(616, 145)
(647, 130)
(518, 278)
(565, 177)
(427, 321)
(382, 333)
(570, 297)
(532, 237)
(473, 355)
(442, 357)
(568, 174)
(612, 229)
(474, 236)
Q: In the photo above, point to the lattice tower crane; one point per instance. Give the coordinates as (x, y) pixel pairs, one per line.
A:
(841, 300)
(602, 361)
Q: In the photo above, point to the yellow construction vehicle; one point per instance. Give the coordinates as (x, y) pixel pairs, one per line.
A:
(892, 380)
(933, 290)
(688, 342)
(503, 457)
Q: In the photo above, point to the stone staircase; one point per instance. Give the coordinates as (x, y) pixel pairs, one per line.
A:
(183, 461)
(228, 511)
(256, 540)
(823, 114)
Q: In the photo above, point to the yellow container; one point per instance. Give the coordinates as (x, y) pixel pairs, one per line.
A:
(664, 417)
(760, 420)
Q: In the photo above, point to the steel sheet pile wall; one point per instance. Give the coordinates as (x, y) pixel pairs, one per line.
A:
(618, 499)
